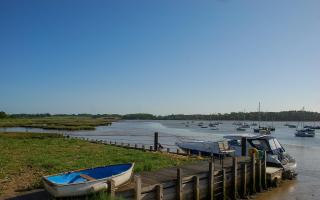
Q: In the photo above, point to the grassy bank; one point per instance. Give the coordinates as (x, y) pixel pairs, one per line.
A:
(26, 157)
(57, 122)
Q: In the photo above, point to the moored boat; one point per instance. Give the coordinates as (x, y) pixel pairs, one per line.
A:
(240, 128)
(262, 130)
(306, 132)
(86, 181)
(276, 154)
(292, 126)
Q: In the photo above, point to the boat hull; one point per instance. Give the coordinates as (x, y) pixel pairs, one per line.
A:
(84, 188)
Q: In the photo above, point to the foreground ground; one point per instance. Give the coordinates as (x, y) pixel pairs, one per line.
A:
(26, 157)
(57, 122)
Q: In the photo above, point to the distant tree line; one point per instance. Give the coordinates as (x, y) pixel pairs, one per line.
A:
(235, 116)
(41, 115)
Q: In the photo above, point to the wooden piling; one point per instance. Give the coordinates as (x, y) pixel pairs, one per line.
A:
(179, 184)
(253, 172)
(137, 188)
(235, 177)
(224, 185)
(111, 188)
(211, 180)
(259, 186)
(156, 141)
(243, 146)
(264, 171)
(159, 192)
(244, 180)
(196, 188)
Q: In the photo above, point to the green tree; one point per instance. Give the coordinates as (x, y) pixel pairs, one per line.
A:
(3, 114)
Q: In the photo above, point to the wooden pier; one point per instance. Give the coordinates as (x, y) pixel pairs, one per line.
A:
(239, 177)
(228, 178)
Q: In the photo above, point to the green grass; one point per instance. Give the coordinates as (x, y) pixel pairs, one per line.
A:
(57, 122)
(26, 157)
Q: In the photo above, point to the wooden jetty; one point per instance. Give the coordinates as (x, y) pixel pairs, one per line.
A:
(229, 178)
(239, 177)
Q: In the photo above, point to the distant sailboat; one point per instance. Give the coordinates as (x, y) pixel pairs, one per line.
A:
(304, 132)
(260, 129)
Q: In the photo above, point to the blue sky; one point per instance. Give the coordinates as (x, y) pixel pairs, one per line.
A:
(159, 57)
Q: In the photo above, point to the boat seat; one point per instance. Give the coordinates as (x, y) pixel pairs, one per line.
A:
(224, 147)
(87, 177)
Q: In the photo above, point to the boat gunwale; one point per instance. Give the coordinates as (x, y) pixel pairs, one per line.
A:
(45, 178)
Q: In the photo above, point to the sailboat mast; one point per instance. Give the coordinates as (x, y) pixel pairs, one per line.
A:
(259, 115)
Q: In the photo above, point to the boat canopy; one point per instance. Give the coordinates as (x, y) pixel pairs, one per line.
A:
(240, 136)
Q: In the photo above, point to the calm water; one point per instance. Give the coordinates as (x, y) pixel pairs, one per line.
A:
(305, 150)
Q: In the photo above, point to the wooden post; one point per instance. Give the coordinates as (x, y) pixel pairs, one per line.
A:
(235, 178)
(121, 143)
(178, 151)
(137, 188)
(128, 145)
(135, 146)
(211, 180)
(259, 176)
(110, 142)
(189, 152)
(168, 150)
(243, 146)
(159, 192)
(196, 189)
(244, 180)
(224, 185)
(253, 172)
(111, 188)
(151, 149)
(199, 153)
(179, 184)
(143, 147)
(264, 172)
(156, 141)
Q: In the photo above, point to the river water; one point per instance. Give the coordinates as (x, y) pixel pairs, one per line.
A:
(305, 150)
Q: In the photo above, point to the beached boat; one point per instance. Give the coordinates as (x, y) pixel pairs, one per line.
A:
(83, 182)
(292, 126)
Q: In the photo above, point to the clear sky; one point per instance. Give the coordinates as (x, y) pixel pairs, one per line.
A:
(159, 56)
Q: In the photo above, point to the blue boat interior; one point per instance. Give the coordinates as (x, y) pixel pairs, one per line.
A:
(96, 173)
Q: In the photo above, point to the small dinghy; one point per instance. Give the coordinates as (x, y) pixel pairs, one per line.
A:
(82, 182)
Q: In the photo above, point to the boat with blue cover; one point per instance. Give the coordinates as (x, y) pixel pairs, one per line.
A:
(86, 181)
